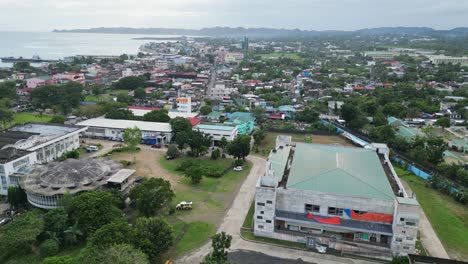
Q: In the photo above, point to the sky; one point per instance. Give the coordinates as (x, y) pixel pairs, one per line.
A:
(46, 15)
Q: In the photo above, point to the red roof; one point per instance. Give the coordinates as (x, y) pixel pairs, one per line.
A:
(194, 120)
(276, 116)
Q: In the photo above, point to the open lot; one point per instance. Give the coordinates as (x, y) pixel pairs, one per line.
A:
(21, 118)
(211, 197)
(448, 218)
(269, 142)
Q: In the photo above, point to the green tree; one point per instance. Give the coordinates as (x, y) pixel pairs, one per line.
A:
(157, 116)
(8, 90)
(180, 124)
(379, 119)
(118, 232)
(16, 197)
(239, 147)
(172, 151)
(130, 83)
(139, 93)
(435, 147)
(220, 243)
(18, 237)
(443, 122)
(223, 143)
(115, 254)
(197, 141)
(57, 120)
(385, 134)
(91, 210)
(48, 248)
(6, 117)
(154, 236)
(55, 224)
(215, 154)
(308, 115)
(195, 173)
(132, 137)
(120, 114)
(152, 195)
(259, 114)
(205, 110)
(258, 136)
(59, 260)
(125, 98)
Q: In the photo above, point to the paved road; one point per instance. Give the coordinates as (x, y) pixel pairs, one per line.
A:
(106, 147)
(234, 219)
(252, 257)
(428, 237)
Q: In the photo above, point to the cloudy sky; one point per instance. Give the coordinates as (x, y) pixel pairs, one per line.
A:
(44, 15)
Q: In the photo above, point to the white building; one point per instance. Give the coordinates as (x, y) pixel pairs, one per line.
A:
(439, 59)
(220, 90)
(217, 131)
(49, 141)
(114, 128)
(14, 163)
(344, 198)
(184, 104)
(233, 57)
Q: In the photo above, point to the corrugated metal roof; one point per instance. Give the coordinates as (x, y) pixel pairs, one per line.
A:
(339, 170)
(216, 127)
(278, 161)
(123, 124)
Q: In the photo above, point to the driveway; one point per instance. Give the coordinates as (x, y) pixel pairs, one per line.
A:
(106, 147)
(234, 218)
(428, 237)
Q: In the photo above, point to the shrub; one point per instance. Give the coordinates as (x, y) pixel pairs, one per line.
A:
(215, 154)
(48, 248)
(186, 164)
(214, 170)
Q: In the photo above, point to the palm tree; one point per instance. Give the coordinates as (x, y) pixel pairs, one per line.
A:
(72, 234)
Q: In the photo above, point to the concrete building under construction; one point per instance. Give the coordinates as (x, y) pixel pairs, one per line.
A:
(345, 198)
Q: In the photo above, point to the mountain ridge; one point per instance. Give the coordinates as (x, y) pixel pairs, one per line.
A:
(272, 32)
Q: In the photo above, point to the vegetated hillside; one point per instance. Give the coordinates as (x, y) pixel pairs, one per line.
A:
(272, 32)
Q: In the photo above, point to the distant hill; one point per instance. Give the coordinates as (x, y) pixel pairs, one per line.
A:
(272, 32)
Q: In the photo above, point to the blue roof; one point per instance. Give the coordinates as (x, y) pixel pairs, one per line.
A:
(286, 108)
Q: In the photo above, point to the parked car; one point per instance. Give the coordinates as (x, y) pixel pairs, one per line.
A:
(184, 206)
(92, 148)
(4, 221)
(238, 168)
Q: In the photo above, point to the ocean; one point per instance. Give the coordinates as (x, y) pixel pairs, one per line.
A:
(49, 45)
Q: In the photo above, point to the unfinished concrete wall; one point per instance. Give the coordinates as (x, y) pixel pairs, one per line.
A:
(405, 226)
(295, 200)
(265, 202)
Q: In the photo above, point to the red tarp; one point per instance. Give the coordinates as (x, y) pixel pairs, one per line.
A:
(372, 217)
(328, 220)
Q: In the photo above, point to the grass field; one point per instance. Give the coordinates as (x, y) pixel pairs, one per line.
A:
(21, 118)
(277, 55)
(269, 142)
(248, 222)
(211, 197)
(448, 218)
(197, 233)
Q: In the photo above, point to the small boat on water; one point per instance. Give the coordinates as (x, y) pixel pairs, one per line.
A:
(34, 59)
